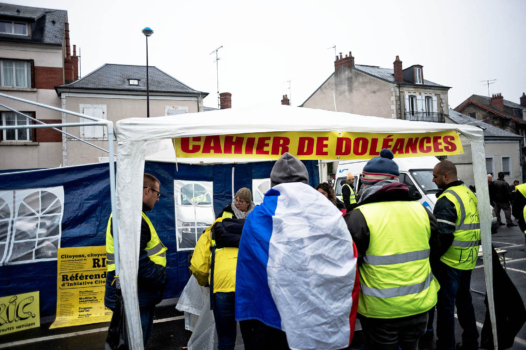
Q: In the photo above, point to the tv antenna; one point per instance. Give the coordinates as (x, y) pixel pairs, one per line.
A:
(217, 70)
(488, 83)
(333, 47)
(290, 90)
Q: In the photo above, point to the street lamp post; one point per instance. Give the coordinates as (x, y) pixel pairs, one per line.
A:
(147, 32)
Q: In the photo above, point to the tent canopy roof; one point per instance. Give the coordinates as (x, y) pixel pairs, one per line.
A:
(265, 118)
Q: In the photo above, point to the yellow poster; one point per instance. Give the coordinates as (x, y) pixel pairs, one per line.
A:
(80, 289)
(19, 312)
(328, 145)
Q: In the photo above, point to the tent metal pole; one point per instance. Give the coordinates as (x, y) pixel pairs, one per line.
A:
(60, 131)
(113, 195)
(481, 183)
(52, 108)
(44, 126)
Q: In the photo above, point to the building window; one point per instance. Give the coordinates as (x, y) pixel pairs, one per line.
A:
(412, 108)
(93, 132)
(15, 74)
(11, 119)
(429, 105)
(175, 110)
(489, 166)
(15, 28)
(32, 231)
(506, 165)
(473, 115)
(134, 82)
(418, 75)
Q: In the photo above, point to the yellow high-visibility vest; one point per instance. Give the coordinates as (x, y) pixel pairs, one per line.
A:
(155, 248)
(464, 250)
(396, 278)
(224, 266)
(352, 198)
(522, 190)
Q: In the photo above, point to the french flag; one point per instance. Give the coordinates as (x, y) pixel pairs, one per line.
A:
(296, 269)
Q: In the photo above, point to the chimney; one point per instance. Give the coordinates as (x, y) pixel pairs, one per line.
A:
(68, 49)
(347, 61)
(497, 101)
(68, 63)
(285, 101)
(398, 71)
(523, 100)
(226, 100)
(75, 61)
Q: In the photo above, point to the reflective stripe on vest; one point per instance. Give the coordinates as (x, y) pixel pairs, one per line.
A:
(155, 249)
(463, 252)
(396, 279)
(352, 197)
(522, 190)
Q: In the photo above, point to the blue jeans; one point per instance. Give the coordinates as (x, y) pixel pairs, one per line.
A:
(225, 318)
(454, 290)
(146, 322)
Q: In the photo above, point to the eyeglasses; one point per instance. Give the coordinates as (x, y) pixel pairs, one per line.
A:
(240, 201)
(158, 193)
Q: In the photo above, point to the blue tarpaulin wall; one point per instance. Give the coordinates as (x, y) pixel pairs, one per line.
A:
(87, 208)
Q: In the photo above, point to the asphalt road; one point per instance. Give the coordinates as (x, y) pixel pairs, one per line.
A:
(169, 331)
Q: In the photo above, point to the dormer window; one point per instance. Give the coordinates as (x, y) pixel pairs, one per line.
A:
(418, 75)
(133, 82)
(15, 28)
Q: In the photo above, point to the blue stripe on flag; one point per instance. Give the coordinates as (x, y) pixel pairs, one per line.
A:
(253, 298)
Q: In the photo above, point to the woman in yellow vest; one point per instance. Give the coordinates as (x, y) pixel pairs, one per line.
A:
(214, 264)
(240, 206)
(392, 232)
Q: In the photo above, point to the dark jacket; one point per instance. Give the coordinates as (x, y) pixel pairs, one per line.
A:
(151, 278)
(390, 192)
(501, 191)
(227, 233)
(518, 209)
(339, 204)
(346, 195)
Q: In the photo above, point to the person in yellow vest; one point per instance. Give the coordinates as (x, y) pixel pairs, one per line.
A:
(392, 232)
(240, 206)
(457, 214)
(519, 206)
(152, 261)
(214, 264)
(348, 195)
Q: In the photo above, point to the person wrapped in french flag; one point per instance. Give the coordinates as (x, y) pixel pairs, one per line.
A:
(296, 268)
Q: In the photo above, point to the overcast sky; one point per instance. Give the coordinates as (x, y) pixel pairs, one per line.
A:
(267, 43)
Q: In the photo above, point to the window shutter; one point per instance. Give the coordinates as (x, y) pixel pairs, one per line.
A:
(406, 104)
(435, 107)
(420, 103)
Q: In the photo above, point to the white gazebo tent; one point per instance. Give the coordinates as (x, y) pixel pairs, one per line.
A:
(139, 137)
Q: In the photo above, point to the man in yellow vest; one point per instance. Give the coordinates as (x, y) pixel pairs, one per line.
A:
(519, 206)
(457, 214)
(348, 195)
(392, 232)
(152, 261)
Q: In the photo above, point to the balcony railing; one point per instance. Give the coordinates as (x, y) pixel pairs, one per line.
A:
(425, 117)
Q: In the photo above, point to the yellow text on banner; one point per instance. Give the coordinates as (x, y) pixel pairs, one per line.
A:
(81, 284)
(318, 145)
(19, 312)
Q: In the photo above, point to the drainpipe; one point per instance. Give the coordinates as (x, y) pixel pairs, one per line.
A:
(400, 100)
